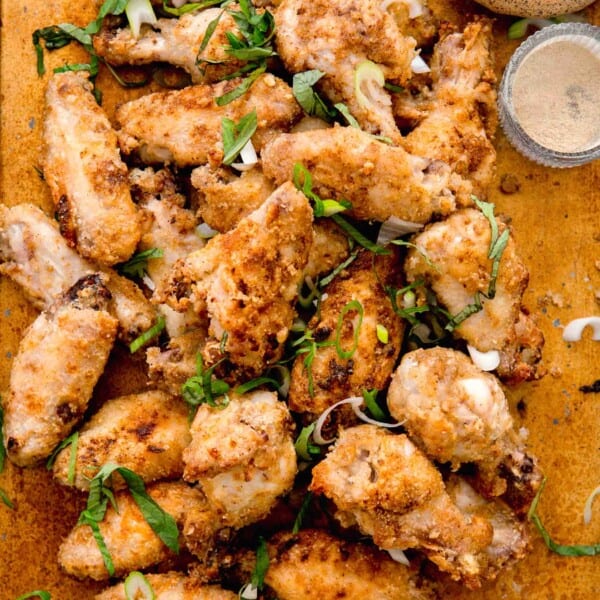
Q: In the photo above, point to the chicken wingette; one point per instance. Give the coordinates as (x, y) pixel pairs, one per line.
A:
(246, 281)
(85, 173)
(378, 179)
(58, 363)
(183, 127)
(144, 432)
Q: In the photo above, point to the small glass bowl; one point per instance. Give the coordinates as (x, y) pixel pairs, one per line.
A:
(582, 34)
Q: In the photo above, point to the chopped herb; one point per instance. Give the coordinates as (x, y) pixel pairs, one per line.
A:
(190, 7)
(5, 499)
(307, 98)
(148, 335)
(357, 236)
(223, 342)
(466, 312)
(422, 252)
(327, 280)
(41, 594)
(237, 135)
(241, 89)
(391, 87)
(370, 398)
(248, 386)
(355, 306)
(100, 494)
(136, 266)
(322, 208)
(307, 300)
(307, 345)
(382, 333)
(306, 502)
(72, 441)
(345, 112)
(205, 388)
(563, 550)
(262, 564)
(305, 449)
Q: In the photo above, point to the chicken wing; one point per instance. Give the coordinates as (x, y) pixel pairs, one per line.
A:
(379, 180)
(451, 257)
(144, 432)
(413, 19)
(85, 173)
(183, 127)
(59, 361)
(130, 541)
(177, 42)
(338, 37)
(457, 413)
(387, 487)
(38, 258)
(315, 564)
(346, 356)
(243, 456)
(246, 281)
(462, 116)
(172, 586)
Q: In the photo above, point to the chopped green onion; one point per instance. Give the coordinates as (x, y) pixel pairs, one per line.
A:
(189, 7)
(262, 564)
(5, 499)
(305, 449)
(519, 28)
(306, 502)
(139, 12)
(237, 135)
(368, 80)
(72, 441)
(393, 88)
(148, 335)
(322, 208)
(314, 293)
(136, 266)
(382, 333)
(370, 398)
(465, 313)
(204, 388)
(563, 550)
(327, 280)
(357, 236)
(41, 594)
(137, 587)
(353, 305)
(248, 386)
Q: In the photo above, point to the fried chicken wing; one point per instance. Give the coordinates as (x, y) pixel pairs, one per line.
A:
(457, 413)
(183, 127)
(172, 586)
(462, 115)
(177, 42)
(349, 358)
(451, 257)
(59, 361)
(378, 179)
(387, 487)
(85, 173)
(413, 19)
(246, 282)
(144, 432)
(131, 542)
(336, 37)
(243, 456)
(315, 564)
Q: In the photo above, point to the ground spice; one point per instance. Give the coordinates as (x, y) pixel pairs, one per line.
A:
(556, 96)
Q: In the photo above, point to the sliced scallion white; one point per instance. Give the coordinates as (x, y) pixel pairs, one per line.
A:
(382, 333)
(418, 65)
(137, 587)
(393, 227)
(399, 556)
(249, 592)
(205, 231)
(486, 361)
(368, 84)
(139, 12)
(574, 330)
(248, 156)
(587, 509)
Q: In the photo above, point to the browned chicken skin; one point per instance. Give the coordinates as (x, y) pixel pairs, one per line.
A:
(387, 487)
(246, 282)
(59, 361)
(85, 173)
(183, 127)
(379, 180)
(457, 413)
(332, 377)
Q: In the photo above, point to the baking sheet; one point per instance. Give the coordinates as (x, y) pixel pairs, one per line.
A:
(555, 216)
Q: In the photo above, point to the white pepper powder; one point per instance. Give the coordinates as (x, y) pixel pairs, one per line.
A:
(556, 96)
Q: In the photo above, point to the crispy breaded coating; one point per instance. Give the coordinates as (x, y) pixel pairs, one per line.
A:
(414, 19)
(144, 432)
(174, 41)
(387, 487)
(330, 247)
(462, 116)
(131, 542)
(451, 257)
(243, 456)
(85, 173)
(183, 127)
(378, 179)
(459, 414)
(172, 586)
(315, 564)
(246, 281)
(38, 258)
(358, 297)
(59, 361)
(336, 37)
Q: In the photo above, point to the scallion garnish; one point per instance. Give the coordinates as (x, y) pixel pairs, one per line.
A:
(357, 236)
(41, 594)
(137, 265)
(189, 7)
(5, 499)
(325, 281)
(248, 386)
(370, 398)
(322, 208)
(205, 388)
(236, 135)
(305, 449)
(137, 587)
(562, 549)
(382, 333)
(72, 441)
(262, 564)
(306, 502)
(148, 335)
(138, 13)
(352, 306)
(162, 523)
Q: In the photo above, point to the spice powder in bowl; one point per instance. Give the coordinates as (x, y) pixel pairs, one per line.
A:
(549, 99)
